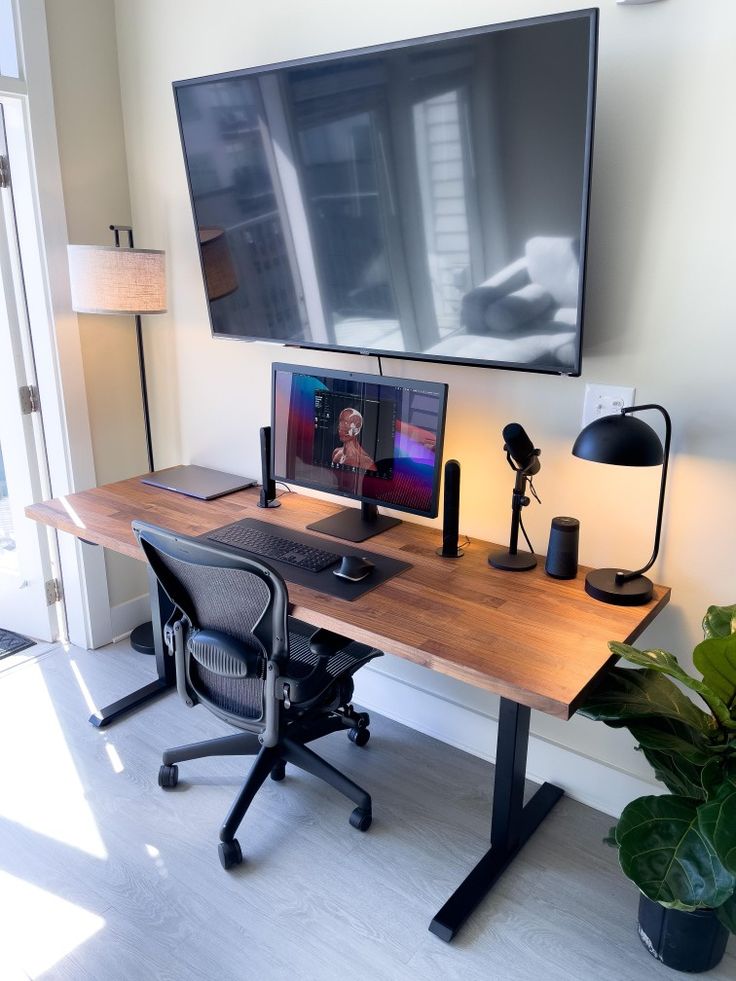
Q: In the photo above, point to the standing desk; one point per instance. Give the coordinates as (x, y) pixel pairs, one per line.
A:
(538, 643)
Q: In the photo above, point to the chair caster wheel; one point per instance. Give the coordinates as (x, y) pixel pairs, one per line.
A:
(359, 736)
(230, 853)
(361, 819)
(168, 776)
(278, 771)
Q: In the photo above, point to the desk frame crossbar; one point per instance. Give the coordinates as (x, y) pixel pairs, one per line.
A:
(161, 608)
(512, 822)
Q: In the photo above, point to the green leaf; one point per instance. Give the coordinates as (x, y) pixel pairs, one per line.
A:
(719, 621)
(610, 838)
(625, 694)
(673, 738)
(663, 851)
(715, 658)
(712, 777)
(667, 663)
(717, 821)
(727, 914)
(678, 776)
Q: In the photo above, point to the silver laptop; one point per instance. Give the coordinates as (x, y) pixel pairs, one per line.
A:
(200, 482)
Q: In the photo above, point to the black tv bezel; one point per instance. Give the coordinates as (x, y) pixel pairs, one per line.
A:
(436, 388)
(591, 14)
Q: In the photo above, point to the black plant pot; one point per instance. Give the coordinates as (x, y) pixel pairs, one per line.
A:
(684, 941)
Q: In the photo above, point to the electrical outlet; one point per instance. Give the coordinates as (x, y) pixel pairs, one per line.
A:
(605, 400)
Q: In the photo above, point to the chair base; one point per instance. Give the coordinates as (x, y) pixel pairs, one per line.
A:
(272, 760)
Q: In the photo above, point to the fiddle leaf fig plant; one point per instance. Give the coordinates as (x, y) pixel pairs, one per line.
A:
(680, 848)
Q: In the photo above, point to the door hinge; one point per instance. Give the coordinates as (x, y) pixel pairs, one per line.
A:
(4, 172)
(53, 592)
(29, 401)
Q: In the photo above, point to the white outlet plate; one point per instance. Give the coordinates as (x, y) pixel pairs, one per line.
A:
(605, 400)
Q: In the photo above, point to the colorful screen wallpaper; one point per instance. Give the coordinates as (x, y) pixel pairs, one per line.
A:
(358, 439)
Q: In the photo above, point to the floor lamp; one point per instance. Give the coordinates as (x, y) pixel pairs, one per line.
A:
(116, 279)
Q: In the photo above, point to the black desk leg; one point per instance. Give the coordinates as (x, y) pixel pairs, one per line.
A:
(165, 670)
(512, 822)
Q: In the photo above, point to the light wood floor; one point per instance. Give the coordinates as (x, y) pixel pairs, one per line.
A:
(105, 876)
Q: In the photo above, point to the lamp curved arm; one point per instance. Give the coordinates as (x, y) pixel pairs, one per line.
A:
(628, 576)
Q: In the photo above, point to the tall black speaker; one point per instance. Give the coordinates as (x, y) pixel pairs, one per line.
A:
(451, 513)
(268, 487)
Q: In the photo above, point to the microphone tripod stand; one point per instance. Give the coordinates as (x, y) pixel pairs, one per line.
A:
(513, 560)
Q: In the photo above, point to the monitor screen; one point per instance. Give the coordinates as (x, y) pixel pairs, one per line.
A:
(426, 198)
(368, 437)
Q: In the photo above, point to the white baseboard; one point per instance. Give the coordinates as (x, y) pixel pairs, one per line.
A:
(600, 785)
(126, 616)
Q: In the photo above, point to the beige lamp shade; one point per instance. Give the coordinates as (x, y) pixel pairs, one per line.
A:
(106, 279)
(219, 272)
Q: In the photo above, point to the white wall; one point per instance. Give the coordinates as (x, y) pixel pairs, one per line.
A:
(660, 314)
(84, 72)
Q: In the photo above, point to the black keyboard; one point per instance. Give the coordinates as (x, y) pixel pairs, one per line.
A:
(273, 547)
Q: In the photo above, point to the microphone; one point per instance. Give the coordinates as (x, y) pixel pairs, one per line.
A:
(520, 448)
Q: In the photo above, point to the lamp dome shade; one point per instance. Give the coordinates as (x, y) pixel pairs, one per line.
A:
(106, 279)
(619, 439)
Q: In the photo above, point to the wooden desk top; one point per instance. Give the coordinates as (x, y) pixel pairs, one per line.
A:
(536, 640)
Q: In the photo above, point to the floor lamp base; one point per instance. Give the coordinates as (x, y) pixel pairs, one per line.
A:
(601, 585)
(141, 639)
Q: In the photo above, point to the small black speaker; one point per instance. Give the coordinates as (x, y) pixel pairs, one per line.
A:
(268, 487)
(562, 554)
(451, 513)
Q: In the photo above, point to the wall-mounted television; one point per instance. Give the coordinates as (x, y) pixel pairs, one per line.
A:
(423, 199)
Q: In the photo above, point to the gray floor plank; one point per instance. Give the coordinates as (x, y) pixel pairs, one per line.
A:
(102, 874)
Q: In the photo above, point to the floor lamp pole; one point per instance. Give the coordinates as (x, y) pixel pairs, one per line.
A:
(141, 638)
(144, 390)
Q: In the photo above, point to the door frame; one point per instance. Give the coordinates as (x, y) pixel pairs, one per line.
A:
(54, 328)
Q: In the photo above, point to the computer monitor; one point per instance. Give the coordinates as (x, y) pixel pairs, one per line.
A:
(374, 439)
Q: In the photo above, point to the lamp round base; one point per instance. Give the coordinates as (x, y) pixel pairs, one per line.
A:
(141, 639)
(521, 562)
(601, 585)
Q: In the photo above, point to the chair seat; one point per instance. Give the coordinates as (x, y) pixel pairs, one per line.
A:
(244, 696)
(345, 662)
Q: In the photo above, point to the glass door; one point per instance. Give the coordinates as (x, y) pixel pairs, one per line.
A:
(28, 598)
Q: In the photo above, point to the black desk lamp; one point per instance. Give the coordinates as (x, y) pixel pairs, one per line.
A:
(628, 442)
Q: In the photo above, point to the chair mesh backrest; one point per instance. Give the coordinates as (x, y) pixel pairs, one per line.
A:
(233, 601)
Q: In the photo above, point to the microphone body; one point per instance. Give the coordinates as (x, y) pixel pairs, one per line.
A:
(520, 448)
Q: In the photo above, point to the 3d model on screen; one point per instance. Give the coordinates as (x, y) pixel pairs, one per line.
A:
(351, 453)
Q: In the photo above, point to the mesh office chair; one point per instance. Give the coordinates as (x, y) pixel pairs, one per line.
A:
(237, 651)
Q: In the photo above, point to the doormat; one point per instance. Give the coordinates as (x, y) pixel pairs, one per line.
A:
(11, 643)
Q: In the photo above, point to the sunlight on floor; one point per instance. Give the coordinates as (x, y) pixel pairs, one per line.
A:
(50, 800)
(65, 926)
(114, 757)
(92, 707)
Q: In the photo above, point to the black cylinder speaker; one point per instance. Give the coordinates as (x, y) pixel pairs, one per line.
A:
(268, 487)
(451, 513)
(562, 554)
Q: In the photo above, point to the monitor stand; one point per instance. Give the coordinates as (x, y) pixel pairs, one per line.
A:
(355, 525)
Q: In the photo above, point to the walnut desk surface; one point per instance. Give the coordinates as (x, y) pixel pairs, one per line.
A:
(535, 640)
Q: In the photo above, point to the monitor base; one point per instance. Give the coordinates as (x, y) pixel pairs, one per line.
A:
(353, 525)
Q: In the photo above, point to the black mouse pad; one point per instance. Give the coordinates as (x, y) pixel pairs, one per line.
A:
(324, 581)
